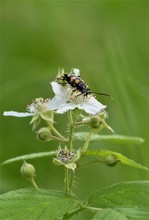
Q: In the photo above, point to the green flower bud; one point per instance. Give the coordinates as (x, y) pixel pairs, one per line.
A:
(111, 160)
(95, 122)
(44, 134)
(27, 170)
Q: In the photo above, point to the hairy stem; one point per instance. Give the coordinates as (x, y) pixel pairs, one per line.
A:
(66, 180)
(71, 182)
(72, 122)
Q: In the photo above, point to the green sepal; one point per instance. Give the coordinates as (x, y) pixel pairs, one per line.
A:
(47, 116)
(57, 162)
(76, 156)
(71, 166)
(35, 121)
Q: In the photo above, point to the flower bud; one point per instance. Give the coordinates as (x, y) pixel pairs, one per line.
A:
(44, 134)
(27, 170)
(95, 122)
(111, 160)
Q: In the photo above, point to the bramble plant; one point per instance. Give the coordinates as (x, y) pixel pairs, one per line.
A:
(121, 201)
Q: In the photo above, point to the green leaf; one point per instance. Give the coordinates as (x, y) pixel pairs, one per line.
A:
(30, 156)
(126, 194)
(108, 214)
(122, 201)
(30, 204)
(123, 159)
(122, 213)
(119, 139)
(134, 213)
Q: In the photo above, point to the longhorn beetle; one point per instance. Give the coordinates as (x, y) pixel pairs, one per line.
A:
(78, 84)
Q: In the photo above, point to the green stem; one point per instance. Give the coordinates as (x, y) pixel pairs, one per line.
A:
(58, 139)
(81, 123)
(71, 182)
(79, 209)
(74, 212)
(66, 180)
(71, 128)
(86, 144)
(55, 131)
(92, 208)
(34, 183)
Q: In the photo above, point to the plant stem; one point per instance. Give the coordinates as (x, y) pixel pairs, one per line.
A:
(86, 144)
(34, 183)
(71, 128)
(74, 212)
(55, 131)
(58, 139)
(66, 180)
(92, 208)
(79, 209)
(71, 182)
(82, 123)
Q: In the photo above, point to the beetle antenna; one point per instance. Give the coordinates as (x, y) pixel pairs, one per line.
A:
(105, 94)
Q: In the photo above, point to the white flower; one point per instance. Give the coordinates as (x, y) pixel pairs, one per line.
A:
(66, 99)
(36, 107)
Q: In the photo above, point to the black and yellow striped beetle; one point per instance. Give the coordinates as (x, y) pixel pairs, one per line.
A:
(78, 84)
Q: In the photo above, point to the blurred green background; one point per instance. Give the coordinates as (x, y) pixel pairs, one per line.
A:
(109, 42)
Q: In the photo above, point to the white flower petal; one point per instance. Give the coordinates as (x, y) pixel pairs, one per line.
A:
(56, 87)
(92, 106)
(18, 114)
(65, 99)
(66, 107)
(76, 72)
(54, 103)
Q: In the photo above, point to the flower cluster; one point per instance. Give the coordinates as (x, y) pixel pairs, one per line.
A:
(65, 99)
(72, 95)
